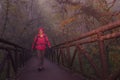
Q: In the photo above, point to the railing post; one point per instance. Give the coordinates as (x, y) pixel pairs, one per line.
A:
(103, 56)
(23, 57)
(73, 58)
(80, 59)
(61, 60)
(58, 55)
(68, 56)
(52, 57)
(55, 50)
(3, 62)
(20, 59)
(8, 67)
(16, 57)
(62, 57)
(10, 58)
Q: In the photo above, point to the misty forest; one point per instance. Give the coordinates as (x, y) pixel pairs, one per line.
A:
(65, 21)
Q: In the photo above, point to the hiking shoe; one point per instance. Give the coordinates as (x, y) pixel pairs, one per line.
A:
(40, 69)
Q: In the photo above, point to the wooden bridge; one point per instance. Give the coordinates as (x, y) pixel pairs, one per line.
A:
(66, 61)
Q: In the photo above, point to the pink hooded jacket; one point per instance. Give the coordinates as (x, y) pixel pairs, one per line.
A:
(40, 42)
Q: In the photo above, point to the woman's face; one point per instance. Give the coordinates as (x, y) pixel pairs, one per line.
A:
(41, 31)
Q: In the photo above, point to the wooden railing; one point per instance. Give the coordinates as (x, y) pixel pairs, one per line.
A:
(66, 53)
(12, 57)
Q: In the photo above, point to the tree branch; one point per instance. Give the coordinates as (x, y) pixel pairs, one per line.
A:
(6, 18)
(112, 4)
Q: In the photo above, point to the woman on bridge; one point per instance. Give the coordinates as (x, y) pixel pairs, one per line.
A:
(40, 43)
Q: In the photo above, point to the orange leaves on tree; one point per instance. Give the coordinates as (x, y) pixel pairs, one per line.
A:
(67, 21)
(74, 7)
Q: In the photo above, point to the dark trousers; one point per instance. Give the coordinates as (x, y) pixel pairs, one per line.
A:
(40, 55)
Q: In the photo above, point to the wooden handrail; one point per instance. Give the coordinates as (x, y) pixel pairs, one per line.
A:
(100, 29)
(9, 43)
